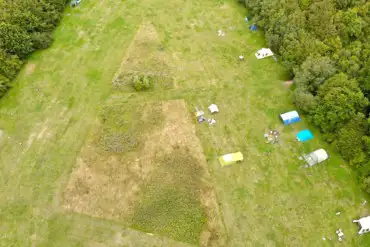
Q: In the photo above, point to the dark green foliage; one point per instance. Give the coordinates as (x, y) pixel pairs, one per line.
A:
(313, 72)
(41, 40)
(339, 100)
(15, 40)
(25, 26)
(350, 139)
(9, 64)
(325, 45)
(4, 85)
(304, 100)
(365, 182)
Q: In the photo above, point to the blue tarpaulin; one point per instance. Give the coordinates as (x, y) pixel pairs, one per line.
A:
(253, 27)
(304, 135)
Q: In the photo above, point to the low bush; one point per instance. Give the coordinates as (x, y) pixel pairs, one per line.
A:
(142, 82)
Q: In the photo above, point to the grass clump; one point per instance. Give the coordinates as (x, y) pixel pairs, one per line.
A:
(124, 125)
(119, 142)
(142, 82)
(139, 82)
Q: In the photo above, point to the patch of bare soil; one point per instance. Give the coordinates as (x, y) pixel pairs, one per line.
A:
(109, 185)
(30, 68)
(288, 83)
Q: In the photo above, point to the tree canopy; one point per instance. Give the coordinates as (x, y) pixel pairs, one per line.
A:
(25, 26)
(325, 45)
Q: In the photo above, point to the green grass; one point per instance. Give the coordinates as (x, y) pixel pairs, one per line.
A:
(267, 200)
(170, 204)
(123, 126)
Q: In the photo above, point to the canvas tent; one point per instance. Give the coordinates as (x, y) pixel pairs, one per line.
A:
(304, 135)
(290, 117)
(264, 52)
(229, 159)
(316, 157)
(364, 224)
(213, 108)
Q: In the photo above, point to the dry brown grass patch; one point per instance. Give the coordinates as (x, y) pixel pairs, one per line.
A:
(112, 185)
(30, 68)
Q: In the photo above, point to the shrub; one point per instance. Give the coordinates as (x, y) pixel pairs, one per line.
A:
(9, 64)
(350, 142)
(4, 85)
(365, 183)
(304, 100)
(142, 82)
(41, 40)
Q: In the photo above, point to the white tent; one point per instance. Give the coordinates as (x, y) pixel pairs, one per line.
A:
(364, 223)
(316, 157)
(213, 108)
(264, 52)
(290, 117)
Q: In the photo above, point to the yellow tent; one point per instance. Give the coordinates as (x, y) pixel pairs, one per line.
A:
(229, 159)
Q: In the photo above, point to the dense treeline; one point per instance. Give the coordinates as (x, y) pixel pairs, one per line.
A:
(325, 44)
(25, 26)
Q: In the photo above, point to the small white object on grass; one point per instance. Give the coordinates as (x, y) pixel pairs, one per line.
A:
(340, 234)
(364, 202)
(211, 121)
(323, 238)
(241, 57)
(220, 33)
(337, 213)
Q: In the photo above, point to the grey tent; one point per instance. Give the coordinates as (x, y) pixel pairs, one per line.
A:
(316, 157)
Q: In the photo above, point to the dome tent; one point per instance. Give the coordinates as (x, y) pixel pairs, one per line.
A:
(264, 52)
(364, 223)
(213, 108)
(316, 157)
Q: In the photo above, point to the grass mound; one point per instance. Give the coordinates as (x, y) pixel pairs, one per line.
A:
(146, 58)
(170, 204)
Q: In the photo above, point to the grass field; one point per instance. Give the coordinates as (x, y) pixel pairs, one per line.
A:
(72, 111)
